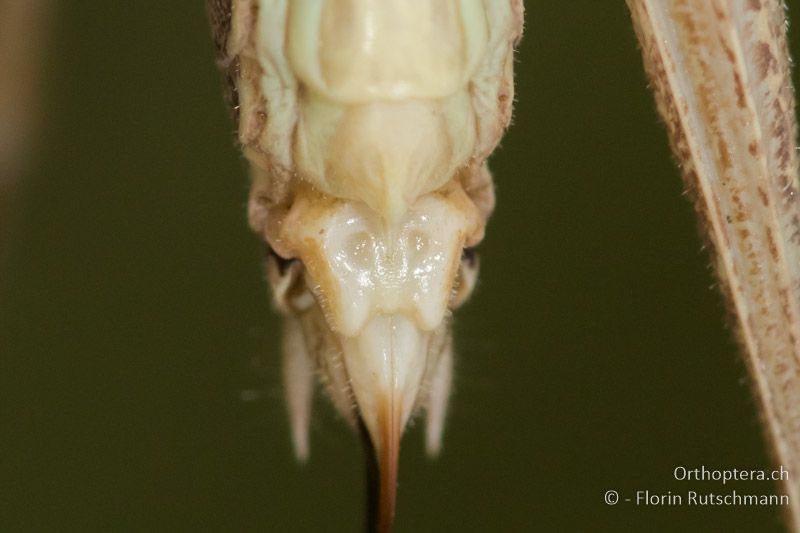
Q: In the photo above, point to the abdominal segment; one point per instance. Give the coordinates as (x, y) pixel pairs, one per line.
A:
(385, 154)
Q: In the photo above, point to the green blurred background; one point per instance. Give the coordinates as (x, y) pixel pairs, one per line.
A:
(140, 381)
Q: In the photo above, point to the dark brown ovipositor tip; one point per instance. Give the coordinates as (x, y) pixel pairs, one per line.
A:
(382, 459)
(388, 458)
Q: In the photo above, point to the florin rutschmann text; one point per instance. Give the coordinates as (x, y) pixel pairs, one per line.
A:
(693, 497)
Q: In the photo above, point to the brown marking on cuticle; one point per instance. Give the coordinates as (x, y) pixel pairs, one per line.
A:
(764, 197)
(724, 156)
(739, 207)
(720, 14)
(795, 238)
(754, 5)
(685, 20)
(784, 150)
(786, 308)
(727, 50)
(753, 148)
(737, 79)
(765, 60)
(739, 88)
(773, 248)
